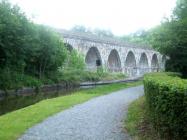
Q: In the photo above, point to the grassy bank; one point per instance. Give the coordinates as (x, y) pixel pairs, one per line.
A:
(16, 123)
(137, 122)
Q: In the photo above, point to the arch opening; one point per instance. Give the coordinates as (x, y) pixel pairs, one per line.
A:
(114, 62)
(163, 63)
(68, 47)
(93, 59)
(154, 63)
(130, 64)
(143, 64)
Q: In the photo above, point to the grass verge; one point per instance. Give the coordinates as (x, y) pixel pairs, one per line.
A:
(13, 124)
(137, 122)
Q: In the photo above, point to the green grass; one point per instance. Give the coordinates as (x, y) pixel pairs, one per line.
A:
(113, 76)
(137, 122)
(13, 124)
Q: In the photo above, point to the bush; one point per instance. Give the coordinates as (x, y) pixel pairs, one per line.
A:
(70, 75)
(166, 97)
(14, 80)
(174, 74)
(91, 76)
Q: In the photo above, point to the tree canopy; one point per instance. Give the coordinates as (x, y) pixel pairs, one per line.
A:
(171, 38)
(29, 53)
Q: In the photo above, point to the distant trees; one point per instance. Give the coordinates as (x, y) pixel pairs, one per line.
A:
(103, 33)
(97, 31)
(139, 37)
(79, 28)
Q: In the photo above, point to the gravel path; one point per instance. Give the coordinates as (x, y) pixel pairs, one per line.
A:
(100, 118)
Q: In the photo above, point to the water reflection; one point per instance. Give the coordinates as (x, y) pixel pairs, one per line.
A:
(12, 103)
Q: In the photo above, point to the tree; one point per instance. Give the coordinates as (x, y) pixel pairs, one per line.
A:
(14, 33)
(48, 52)
(79, 28)
(26, 48)
(171, 38)
(103, 33)
(97, 31)
(140, 37)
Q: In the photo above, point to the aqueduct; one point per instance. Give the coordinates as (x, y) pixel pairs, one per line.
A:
(114, 55)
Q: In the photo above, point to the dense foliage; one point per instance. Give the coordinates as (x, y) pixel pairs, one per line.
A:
(28, 52)
(171, 38)
(166, 97)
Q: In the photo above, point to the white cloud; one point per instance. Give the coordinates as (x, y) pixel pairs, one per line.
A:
(120, 16)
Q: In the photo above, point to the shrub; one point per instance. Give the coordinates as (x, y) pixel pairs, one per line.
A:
(14, 80)
(91, 76)
(70, 75)
(166, 97)
(174, 74)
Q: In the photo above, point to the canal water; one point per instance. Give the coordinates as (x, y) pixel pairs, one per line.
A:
(12, 103)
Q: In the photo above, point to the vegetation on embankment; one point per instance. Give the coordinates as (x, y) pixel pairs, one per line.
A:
(15, 123)
(162, 112)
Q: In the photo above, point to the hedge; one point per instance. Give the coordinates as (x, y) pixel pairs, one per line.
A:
(166, 98)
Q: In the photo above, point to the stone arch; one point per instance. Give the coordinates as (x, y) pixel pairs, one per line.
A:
(163, 62)
(68, 46)
(93, 59)
(154, 63)
(114, 62)
(130, 64)
(143, 64)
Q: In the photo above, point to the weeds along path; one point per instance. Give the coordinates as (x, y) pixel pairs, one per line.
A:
(100, 118)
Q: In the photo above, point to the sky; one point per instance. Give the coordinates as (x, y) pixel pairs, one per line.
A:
(120, 16)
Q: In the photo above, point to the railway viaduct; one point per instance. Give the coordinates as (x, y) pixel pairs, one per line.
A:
(114, 55)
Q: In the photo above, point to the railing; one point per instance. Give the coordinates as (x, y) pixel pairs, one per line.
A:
(114, 69)
(130, 71)
(94, 38)
(138, 71)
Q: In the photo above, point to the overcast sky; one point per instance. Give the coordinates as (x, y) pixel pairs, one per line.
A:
(119, 16)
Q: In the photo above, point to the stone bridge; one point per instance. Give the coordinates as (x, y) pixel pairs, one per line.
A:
(114, 55)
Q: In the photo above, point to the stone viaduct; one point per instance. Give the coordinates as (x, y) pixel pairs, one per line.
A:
(114, 55)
